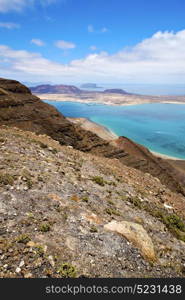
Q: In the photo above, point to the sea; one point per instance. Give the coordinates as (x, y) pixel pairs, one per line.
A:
(142, 89)
(157, 126)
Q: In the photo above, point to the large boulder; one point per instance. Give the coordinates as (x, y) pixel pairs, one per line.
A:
(136, 234)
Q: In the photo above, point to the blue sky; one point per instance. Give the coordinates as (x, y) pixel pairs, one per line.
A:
(136, 41)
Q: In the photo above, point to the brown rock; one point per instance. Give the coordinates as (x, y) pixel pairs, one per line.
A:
(136, 234)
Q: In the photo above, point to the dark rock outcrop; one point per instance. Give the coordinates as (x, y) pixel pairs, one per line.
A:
(19, 108)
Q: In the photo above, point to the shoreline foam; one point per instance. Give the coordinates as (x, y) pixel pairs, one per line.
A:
(164, 156)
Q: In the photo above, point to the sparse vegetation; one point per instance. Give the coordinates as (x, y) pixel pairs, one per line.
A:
(136, 201)
(42, 145)
(85, 199)
(23, 238)
(6, 179)
(26, 175)
(94, 204)
(39, 249)
(98, 180)
(111, 211)
(93, 229)
(45, 227)
(111, 202)
(172, 221)
(66, 270)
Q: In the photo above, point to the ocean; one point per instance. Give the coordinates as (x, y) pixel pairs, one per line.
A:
(159, 127)
(143, 89)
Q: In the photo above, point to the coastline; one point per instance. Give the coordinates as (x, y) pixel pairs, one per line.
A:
(101, 130)
(112, 99)
(109, 135)
(164, 156)
(96, 128)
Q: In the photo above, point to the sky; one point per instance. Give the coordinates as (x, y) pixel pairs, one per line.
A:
(101, 41)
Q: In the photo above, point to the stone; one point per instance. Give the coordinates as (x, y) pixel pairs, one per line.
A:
(51, 260)
(30, 244)
(136, 234)
(28, 275)
(21, 263)
(18, 270)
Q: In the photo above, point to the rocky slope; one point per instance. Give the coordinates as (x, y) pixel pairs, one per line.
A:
(65, 213)
(18, 107)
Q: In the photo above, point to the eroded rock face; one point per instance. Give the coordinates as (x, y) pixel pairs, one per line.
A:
(13, 86)
(136, 234)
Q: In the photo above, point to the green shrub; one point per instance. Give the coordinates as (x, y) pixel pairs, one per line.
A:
(85, 199)
(93, 229)
(98, 180)
(111, 211)
(66, 270)
(45, 227)
(23, 238)
(6, 179)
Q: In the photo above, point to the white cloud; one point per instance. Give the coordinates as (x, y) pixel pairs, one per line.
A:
(65, 45)
(19, 5)
(91, 29)
(93, 48)
(37, 42)
(9, 25)
(158, 59)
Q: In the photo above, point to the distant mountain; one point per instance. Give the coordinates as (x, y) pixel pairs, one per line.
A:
(55, 89)
(71, 89)
(90, 86)
(116, 91)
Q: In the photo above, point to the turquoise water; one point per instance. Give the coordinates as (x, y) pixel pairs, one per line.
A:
(159, 127)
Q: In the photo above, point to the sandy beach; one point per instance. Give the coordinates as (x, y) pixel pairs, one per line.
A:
(100, 130)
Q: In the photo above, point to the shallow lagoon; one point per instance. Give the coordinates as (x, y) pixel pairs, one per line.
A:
(159, 127)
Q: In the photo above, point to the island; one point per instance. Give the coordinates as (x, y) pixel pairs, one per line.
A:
(109, 96)
(90, 86)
